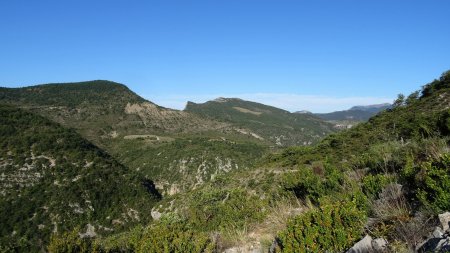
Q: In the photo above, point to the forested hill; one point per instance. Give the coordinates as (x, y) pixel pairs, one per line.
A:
(108, 94)
(101, 110)
(266, 122)
(52, 180)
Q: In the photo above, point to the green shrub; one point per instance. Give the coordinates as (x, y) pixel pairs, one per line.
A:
(331, 228)
(174, 237)
(70, 242)
(218, 209)
(168, 235)
(373, 184)
(434, 184)
(314, 182)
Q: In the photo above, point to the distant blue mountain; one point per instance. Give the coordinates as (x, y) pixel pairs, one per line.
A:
(356, 113)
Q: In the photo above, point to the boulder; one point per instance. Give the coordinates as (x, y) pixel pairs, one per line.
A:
(369, 245)
(363, 246)
(379, 245)
(445, 220)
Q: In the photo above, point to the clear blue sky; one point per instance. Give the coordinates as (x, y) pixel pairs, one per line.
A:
(317, 55)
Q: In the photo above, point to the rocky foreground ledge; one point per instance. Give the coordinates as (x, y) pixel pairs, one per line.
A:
(438, 241)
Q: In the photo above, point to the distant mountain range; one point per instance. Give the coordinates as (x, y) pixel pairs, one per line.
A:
(356, 113)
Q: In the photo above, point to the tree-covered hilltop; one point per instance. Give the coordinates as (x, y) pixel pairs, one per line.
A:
(109, 95)
(387, 178)
(277, 126)
(101, 110)
(52, 180)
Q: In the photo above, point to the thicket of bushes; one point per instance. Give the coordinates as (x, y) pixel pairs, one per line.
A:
(329, 228)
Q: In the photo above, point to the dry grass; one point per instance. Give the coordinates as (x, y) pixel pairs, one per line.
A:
(264, 232)
(413, 231)
(406, 230)
(392, 204)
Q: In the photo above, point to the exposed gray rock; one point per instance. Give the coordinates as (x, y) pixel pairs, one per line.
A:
(379, 245)
(155, 214)
(436, 245)
(363, 246)
(438, 232)
(445, 220)
(369, 245)
(90, 232)
(439, 241)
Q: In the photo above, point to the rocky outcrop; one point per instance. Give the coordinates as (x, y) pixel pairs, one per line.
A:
(439, 241)
(367, 244)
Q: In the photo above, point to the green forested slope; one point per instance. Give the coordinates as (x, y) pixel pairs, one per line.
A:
(52, 180)
(135, 131)
(184, 163)
(275, 125)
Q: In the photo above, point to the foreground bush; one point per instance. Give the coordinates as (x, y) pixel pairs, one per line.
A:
(174, 237)
(71, 242)
(373, 184)
(161, 237)
(332, 228)
(314, 182)
(220, 209)
(434, 184)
